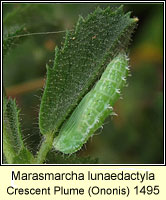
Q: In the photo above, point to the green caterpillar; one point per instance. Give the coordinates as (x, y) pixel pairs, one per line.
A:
(94, 108)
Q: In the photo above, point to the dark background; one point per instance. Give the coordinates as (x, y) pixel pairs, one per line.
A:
(136, 135)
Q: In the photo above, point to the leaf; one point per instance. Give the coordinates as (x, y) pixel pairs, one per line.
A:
(13, 145)
(24, 157)
(80, 62)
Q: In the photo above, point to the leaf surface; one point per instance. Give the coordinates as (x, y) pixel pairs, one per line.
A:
(13, 146)
(80, 62)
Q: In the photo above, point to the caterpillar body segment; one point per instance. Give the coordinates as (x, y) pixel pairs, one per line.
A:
(94, 108)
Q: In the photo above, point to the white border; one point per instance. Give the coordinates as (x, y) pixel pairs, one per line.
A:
(2, 83)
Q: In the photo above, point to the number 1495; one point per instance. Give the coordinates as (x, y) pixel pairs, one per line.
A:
(147, 190)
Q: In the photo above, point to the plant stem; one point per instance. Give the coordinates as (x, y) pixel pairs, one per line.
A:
(44, 148)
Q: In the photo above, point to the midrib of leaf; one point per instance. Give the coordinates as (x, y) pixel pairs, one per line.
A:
(82, 59)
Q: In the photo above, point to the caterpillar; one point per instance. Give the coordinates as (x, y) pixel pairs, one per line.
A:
(94, 108)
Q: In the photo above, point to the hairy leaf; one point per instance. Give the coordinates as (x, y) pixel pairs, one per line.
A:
(80, 62)
(13, 145)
